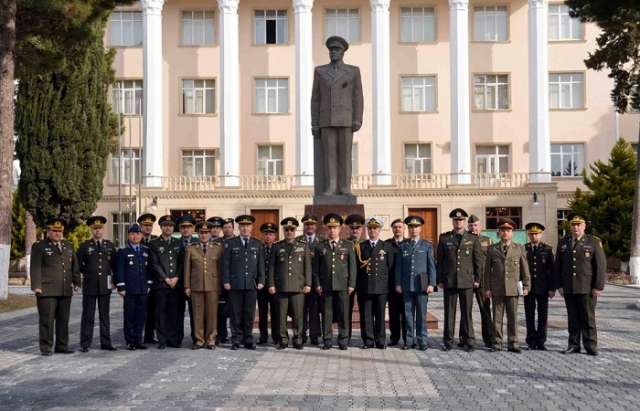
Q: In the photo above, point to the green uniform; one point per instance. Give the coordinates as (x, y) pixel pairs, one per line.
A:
(484, 303)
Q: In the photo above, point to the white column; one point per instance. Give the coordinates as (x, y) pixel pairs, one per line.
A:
(381, 91)
(459, 54)
(539, 143)
(230, 93)
(304, 83)
(153, 144)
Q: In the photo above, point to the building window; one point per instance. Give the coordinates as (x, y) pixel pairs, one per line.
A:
(354, 159)
(495, 213)
(127, 97)
(271, 27)
(197, 27)
(126, 28)
(418, 93)
(417, 159)
(561, 25)
(562, 217)
(198, 163)
(125, 167)
(491, 91)
(120, 227)
(566, 90)
(270, 160)
(344, 23)
(567, 160)
(417, 25)
(198, 96)
(490, 23)
(492, 159)
(272, 95)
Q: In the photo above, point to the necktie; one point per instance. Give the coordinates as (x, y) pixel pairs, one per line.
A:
(505, 248)
(58, 247)
(204, 248)
(99, 246)
(333, 245)
(373, 244)
(135, 248)
(309, 239)
(245, 242)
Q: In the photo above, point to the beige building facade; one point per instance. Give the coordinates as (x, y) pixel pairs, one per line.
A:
(485, 105)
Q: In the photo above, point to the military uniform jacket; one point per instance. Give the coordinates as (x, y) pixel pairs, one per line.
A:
(167, 260)
(55, 271)
(375, 268)
(268, 250)
(503, 272)
(395, 246)
(290, 267)
(459, 263)
(582, 268)
(243, 267)
(132, 270)
(540, 268)
(202, 271)
(415, 266)
(334, 270)
(336, 97)
(96, 265)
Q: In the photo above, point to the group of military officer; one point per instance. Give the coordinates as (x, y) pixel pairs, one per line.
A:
(220, 276)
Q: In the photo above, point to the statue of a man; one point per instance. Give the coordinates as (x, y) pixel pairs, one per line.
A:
(336, 113)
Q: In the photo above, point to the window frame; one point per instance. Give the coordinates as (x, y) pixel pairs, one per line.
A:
(581, 26)
(583, 90)
(123, 92)
(486, 85)
(110, 25)
(563, 155)
(182, 112)
(114, 170)
(429, 159)
(125, 224)
(435, 93)
(472, 34)
(277, 18)
(255, 96)
(517, 218)
(433, 8)
(204, 156)
(270, 159)
(496, 155)
(214, 20)
(326, 15)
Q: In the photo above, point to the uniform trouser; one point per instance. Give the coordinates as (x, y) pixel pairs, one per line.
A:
(372, 309)
(242, 311)
(536, 335)
(451, 297)
(267, 305)
(135, 313)
(510, 305)
(311, 316)
(415, 314)
(337, 143)
(150, 322)
(88, 318)
(223, 317)
(396, 317)
(292, 303)
(167, 302)
(338, 300)
(205, 316)
(352, 302)
(53, 313)
(180, 317)
(581, 316)
(484, 306)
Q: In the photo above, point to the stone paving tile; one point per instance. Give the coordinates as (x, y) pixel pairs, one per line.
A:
(312, 379)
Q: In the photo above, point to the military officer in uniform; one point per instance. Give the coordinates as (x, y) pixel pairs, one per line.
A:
(266, 302)
(540, 258)
(243, 276)
(146, 225)
(375, 266)
(505, 267)
(133, 280)
(334, 270)
(484, 303)
(581, 270)
(415, 273)
(54, 278)
(289, 279)
(227, 227)
(202, 282)
(216, 228)
(166, 261)
(355, 222)
(186, 224)
(96, 257)
(396, 305)
(312, 301)
(459, 259)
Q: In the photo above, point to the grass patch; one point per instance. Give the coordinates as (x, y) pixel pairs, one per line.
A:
(17, 302)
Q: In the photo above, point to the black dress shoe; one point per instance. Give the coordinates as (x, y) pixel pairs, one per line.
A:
(591, 351)
(298, 346)
(461, 344)
(262, 341)
(235, 347)
(131, 347)
(381, 346)
(250, 346)
(571, 350)
(84, 349)
(162, 346)
(343, 347)
(314, 340)
(469, 348)
(196, 346)
(446, 347)
(171, 345)
(515, 350)
(150, 341)
(141, 347)
(494, 348)
(65, 351)
(326, 346)
(393, 343)
(210, 346)
(541, 347)
(281, 346)
(423, 347)
(365, 347)
(45, 353)
(405, 347)
(108, 348)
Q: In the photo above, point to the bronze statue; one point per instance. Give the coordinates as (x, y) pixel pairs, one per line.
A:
(336, 113)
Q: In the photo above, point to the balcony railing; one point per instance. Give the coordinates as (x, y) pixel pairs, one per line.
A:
(358, 182)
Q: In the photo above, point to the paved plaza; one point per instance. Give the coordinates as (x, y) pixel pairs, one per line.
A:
(316, 379)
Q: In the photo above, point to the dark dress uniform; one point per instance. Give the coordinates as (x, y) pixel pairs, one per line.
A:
(540, 258)
(581, 267)
(289, 272)
(167, 259)
(311, 322)
(183, 299)
(375, 266)
(396, 305)
(223, 307)
(484, 303)
(54, 270)
(95, 261)
(459, 260)
(151, 321)
(334, 269)
(267, 304)
(243, 269)
(134, 277)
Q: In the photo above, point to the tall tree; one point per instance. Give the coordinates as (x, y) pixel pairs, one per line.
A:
(618, 51)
